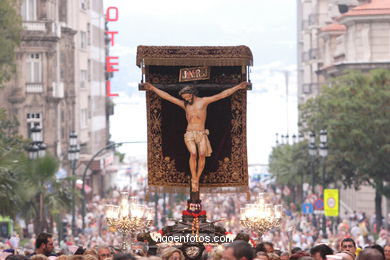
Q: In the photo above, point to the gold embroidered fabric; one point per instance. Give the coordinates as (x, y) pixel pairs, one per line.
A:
(231, 174)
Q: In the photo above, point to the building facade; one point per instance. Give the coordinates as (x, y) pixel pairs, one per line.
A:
(59, 84)
(335, 36)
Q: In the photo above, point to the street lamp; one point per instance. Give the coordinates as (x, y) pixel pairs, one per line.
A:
(73, 156)
(37, 149)
(294, 139)
(323, 153)
(277, 139)
(301, 138)
(323, 143)
(312, 153)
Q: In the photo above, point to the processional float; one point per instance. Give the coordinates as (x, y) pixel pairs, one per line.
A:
(211, 70)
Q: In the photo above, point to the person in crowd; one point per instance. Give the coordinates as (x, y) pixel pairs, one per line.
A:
(124, 256)
(172, 253)
(261, 255)
(242, 236)
(370, 254)
(273, 256)
(299, 255)
(260, 247)
(320, 252)
(346, 255)
(140, 249)
(285, 256)
(90, 257)
(44, 245)
(16, 257)
(296, 250)
(379, 248)
(386, 250)
(238, 250)
(348, 244)
(269, 247)
(38, 257)
(216, 252)
(103, 252)
(91, 251)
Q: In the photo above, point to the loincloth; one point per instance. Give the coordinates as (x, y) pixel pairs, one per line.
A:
(197, 137)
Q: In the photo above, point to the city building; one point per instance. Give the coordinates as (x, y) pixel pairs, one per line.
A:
(335, 36)
(59, 84)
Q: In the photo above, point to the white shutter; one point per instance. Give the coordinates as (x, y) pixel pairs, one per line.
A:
(36, 72)
(32, 10)
(24, 10)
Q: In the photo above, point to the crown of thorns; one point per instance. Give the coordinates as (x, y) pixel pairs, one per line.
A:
(189, 90)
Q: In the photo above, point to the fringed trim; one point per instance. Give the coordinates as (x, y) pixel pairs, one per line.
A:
(197, 61)
(208, 190)
(194, 55)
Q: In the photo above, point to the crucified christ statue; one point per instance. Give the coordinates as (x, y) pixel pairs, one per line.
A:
(195, 137)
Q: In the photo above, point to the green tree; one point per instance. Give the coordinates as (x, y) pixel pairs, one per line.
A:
(291, 165)
(28, 188)
(11, 149)
(50, 196)
(355, 110)
(10, 30)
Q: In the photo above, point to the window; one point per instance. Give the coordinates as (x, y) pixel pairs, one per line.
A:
(62, 11)
(29, 10)
(34, 68)
(83, 40)
(63, 68)
(84, 4)
(83, 78)
(84, 118)
(89, 34)
(33, 119)
(90, 70)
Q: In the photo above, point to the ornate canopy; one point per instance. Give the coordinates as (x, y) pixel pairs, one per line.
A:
(194, 55)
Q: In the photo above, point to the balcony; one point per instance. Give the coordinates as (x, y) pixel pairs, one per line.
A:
(41, 28)
(58, 90)
(34, 88)
(34, 26)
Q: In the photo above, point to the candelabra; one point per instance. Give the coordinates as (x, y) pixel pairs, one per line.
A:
(128, 218)
(261, 216)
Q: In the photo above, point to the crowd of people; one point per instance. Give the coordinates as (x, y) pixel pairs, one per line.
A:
(237, 250)
(357, 230)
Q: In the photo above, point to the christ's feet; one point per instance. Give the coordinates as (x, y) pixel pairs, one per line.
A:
(194, 185)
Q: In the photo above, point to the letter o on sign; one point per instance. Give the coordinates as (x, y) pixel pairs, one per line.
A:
(112, 14)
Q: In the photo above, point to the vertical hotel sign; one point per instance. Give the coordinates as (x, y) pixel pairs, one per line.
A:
(331, 202)
(112, 15)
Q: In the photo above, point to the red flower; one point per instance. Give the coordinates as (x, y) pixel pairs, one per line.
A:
(195, 215)
(161, 232)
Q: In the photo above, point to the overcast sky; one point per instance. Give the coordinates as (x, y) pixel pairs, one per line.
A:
(267, 27)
